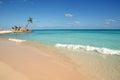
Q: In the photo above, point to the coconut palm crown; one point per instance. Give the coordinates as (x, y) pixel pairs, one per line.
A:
(30, 20)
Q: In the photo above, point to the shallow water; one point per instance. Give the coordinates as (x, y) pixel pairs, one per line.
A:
(101, 41)
(95, 66)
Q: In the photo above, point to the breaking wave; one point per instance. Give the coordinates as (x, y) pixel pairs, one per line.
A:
(16, 40)
(89, 48)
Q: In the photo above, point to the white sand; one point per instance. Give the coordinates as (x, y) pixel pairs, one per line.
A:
(5, 31)
(19, 62)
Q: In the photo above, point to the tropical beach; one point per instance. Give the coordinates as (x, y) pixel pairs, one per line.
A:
(20, 62)
(30, 57)
(59, 40)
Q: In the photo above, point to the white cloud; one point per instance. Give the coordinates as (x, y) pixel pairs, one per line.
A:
(76, 23)
(68, 15)
(107, 23)
(110, 21)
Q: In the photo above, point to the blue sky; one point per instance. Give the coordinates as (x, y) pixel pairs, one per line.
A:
(61, 14)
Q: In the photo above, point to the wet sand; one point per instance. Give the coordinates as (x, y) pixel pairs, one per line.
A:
(21, 62)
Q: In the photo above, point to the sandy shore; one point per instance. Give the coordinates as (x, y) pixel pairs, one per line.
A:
(20, 62)
(5, 31)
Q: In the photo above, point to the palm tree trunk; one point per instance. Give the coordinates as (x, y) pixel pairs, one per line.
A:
(27, 24)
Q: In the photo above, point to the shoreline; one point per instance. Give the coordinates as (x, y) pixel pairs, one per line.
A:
(24, 62)
(31, 60)
(5, 31)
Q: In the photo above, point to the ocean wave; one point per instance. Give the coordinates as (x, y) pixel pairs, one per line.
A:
(89, 48)
(16, 40)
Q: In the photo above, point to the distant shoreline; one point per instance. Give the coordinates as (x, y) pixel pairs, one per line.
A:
(80, 29)
(5, 31)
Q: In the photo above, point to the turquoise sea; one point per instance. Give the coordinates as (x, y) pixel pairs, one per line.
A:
(99, 40)
(96, 51)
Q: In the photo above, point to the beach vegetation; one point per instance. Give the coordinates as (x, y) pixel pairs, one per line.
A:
(24, 28)
(30, 20)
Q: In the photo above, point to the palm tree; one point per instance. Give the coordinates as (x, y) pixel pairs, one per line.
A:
(30, 20)
(15, 27)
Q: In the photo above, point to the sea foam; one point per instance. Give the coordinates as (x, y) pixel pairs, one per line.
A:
(16, 40)
(89, 48)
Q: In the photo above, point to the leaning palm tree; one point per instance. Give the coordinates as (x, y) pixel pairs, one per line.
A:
(30, 20)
